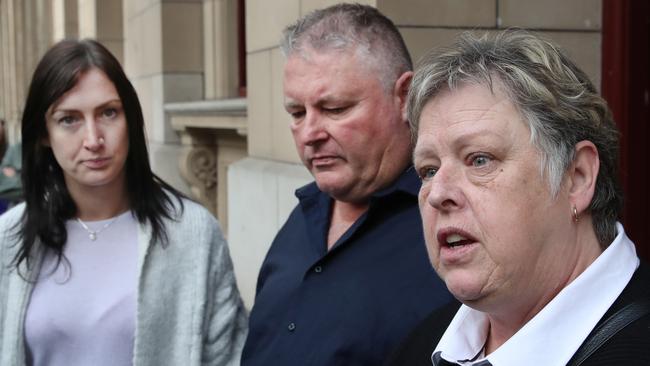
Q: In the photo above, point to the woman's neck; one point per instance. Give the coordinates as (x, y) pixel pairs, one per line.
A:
(100, 203)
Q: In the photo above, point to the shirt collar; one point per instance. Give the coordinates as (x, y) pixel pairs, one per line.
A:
(553, 335)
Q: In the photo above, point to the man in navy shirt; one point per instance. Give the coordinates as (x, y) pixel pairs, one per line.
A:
(347, 276)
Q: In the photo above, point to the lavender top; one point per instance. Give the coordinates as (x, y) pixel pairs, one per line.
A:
(83, 311)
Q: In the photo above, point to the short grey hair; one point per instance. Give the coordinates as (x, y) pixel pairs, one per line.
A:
(555, 98)
(346, 27)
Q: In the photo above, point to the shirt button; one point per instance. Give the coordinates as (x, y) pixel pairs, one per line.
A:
(291, 327)
(318, 269)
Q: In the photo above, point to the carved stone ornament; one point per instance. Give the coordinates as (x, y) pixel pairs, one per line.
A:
(199, 168)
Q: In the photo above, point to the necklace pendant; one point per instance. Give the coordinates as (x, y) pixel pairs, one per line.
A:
(92, 235)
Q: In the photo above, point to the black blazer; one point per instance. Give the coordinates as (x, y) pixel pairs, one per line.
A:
(630, 346)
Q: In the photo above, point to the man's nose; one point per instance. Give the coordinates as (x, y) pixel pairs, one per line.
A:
(314, 128)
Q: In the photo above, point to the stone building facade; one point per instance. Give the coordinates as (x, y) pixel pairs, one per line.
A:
(221, 134)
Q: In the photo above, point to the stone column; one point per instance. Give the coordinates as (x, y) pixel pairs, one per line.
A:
(213, 130)
(220, 48)
(164, 59)
(25, 34)
(65, 18)
(102, 21)
(12, 81)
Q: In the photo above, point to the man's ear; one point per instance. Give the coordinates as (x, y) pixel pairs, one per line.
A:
(583, 174)
(401, 91)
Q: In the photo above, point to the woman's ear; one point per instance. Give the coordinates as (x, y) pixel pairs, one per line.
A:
(583, 174)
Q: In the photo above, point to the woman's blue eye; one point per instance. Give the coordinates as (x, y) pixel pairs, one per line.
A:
(66, 120)
(480, 160)
(427, 173)
(110, 112)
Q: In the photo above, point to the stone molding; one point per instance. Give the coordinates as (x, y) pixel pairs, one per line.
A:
(202, 125)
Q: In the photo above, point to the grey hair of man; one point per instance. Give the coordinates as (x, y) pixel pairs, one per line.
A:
(352, 27)
(555, 98)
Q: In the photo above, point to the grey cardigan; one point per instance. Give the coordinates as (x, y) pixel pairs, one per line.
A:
(189, 311)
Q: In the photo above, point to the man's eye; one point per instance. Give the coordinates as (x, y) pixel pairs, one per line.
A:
(337, 110)
(480, 160)
(427, 173)
(297, 114)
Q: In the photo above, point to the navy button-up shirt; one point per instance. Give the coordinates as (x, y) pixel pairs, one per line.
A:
(352, 304)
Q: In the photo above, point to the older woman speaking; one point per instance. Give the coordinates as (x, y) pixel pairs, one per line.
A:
(518, 158)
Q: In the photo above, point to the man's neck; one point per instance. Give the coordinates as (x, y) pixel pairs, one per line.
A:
(343, 215)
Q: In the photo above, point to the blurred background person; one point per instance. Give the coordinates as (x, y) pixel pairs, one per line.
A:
(3, 138)
(104, 263)
(518, 155)
(10, 167)
(11, 188)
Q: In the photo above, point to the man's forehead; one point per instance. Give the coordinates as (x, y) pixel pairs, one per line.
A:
(356, 57)
(308, 52)
(330, 68)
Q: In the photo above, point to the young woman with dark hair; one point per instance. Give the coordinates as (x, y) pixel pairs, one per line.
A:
(105, 263)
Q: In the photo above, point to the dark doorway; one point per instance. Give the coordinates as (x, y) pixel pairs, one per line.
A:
(626, 86)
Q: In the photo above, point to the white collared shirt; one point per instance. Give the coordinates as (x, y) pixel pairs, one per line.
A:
(553, 335)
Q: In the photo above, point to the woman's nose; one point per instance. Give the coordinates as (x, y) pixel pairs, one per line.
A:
(444, 190)
(93, 139)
